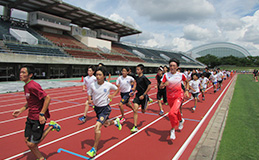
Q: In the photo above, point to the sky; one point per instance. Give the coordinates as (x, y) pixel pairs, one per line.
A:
(180, 25)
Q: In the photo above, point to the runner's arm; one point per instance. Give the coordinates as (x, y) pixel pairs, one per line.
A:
(17, 112)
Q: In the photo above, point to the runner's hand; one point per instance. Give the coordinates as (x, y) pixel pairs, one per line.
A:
(42, 119)
(141, 97)
(16, 113)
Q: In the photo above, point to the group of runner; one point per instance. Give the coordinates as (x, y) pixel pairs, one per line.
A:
(172, 86)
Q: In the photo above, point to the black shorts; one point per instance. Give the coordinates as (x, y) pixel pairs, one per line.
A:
(220, 81)
(142, 102)
(102, 113)
(125, 97)
(195, 95)
(33, 130)
(160, 94)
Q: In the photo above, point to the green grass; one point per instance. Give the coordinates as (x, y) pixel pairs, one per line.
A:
(240, 138)
(238, 68)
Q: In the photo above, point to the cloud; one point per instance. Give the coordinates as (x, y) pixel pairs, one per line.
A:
(127, 21)
(229, 24)
(196, 33)
(173, 10)
(181, 44)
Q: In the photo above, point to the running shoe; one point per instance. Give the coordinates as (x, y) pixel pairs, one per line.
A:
(193, 108)
(203, 98)
(150, 100)
(172, 134)
(215, 91)
(166, 103)
(91, 153)
(180, 127)
(118, 124)
(55, 126)
(134, 129)
(161, 113)
(122, 120)
(82, 119)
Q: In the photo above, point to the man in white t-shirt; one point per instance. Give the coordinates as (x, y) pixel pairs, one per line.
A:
(99, 95)
(88, 80)
(220, 78)
(126, 84)
(194, 88)
(214, 80)
(204, 83)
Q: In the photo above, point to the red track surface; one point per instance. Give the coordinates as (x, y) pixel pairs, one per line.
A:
(151, 142)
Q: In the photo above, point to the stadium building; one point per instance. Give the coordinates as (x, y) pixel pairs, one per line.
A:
(219, 49)
(61, 40)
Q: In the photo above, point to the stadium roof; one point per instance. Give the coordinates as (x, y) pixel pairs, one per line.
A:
(220, 49)
(77, 15)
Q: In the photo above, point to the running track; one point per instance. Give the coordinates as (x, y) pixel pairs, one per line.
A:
(151, 142)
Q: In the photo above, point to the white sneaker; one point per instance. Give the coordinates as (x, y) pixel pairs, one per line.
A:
(193, 109)
(172, 134)
(180, 127)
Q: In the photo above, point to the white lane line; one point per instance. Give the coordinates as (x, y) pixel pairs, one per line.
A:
(186, 143)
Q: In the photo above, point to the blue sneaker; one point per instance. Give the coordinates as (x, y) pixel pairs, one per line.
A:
(82, 119)
(161, 113)
(91, 153)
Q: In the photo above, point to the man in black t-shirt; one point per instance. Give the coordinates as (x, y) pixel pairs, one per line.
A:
(141, 98)
(161, 93)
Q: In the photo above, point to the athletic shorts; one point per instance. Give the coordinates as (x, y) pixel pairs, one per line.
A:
(102, 113)
(220, 81)
(142, 102)
(160, 94)
(125, 97)
(33, 130)
(195, 95)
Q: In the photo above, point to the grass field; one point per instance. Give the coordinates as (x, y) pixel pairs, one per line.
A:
(238, 68)
(241, 134)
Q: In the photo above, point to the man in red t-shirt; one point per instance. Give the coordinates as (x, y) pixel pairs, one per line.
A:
(37, 103)
(173, 82)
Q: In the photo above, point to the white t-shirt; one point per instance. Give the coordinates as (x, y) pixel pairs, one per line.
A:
(195, 85)
(214, 78)
(204, 82)
(100, 93)
(125, 83)
(88, 80)
(219, 76)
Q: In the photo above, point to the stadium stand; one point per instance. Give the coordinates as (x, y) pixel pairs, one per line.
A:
(113, 57)
(35, 50)
(83, 54)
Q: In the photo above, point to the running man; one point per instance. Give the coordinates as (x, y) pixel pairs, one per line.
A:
(99, 95)
(37, 103)
(219, 78)
(141, 98)
(214, 80)
(255, 73)
(194, 88)
(161, 93)
(204, 83)
(88, 80)
(173, 83)
(124, 83)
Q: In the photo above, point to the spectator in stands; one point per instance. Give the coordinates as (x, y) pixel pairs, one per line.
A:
(107, 73)
(37, 103)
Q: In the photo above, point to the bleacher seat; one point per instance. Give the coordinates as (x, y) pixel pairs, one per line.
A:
(113, 57)
(34, 50)
(83, 54)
